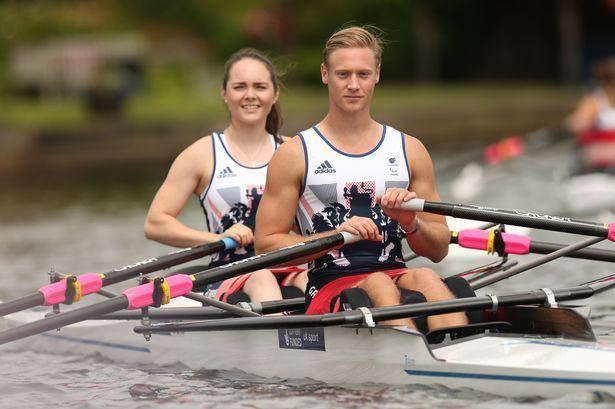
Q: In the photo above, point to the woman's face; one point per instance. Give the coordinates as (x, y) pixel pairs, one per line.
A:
(249, 93)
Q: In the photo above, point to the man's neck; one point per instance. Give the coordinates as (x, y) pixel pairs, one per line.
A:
(346, 126)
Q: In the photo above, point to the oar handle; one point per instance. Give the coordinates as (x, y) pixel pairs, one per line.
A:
(514, 217)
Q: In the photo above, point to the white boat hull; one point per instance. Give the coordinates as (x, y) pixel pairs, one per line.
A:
(506, 365)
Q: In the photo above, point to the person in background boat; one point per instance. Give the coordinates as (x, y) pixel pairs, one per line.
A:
(350, 173)
(594, 120)
(227, 171)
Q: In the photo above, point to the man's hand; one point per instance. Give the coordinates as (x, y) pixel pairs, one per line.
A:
(241, 233)
(391, 203)
(361, 226)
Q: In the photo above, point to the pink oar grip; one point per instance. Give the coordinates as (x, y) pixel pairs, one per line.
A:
(612, 231)
(142, 295)
(477, 239)
(55, 293)
(90, 283)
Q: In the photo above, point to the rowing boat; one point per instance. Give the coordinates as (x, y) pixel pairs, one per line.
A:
(560, 355)
(525, 344)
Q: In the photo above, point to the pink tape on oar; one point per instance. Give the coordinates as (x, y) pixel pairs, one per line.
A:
(478, 239)
(142, 296)
(612, 231)
(55, 293)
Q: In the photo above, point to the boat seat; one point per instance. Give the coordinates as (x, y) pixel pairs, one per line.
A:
(237, 297)
(439, 335)
(461, 289)
(351, 299)
(415, 297)
(287, 293)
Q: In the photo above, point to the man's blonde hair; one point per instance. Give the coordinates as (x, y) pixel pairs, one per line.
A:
(351, 37)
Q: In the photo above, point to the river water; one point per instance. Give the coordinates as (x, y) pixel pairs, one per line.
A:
(93, 222)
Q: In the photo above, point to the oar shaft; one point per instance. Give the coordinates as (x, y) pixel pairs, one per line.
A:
(176, 286)
(540, 247)
(166, 261)
(21, 303)
(241, 312)
(60, 320)
(517, 244)
(514, 217)
(206, 313)
(483, 281)
(270, 259)
(378, 314)
(55, 293)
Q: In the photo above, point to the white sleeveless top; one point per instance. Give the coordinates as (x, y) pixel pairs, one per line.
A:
(340, 185)
(232, 196)
(605, 121)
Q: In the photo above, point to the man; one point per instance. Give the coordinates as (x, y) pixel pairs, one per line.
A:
(333, 178)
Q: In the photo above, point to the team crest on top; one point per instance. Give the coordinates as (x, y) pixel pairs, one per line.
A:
(392, 165)
(325, 167)
(227, 172)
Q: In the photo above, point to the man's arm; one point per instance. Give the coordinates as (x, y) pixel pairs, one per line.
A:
(427, 234)
(278, 206)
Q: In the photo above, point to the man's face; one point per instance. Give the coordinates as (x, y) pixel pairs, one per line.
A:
(351, 75)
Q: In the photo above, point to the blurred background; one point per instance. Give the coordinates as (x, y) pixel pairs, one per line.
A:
(98, 97)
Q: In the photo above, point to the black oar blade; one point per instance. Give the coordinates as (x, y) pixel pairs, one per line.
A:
(64, 319)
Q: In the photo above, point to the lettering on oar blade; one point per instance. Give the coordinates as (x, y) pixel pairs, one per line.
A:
(302, 338)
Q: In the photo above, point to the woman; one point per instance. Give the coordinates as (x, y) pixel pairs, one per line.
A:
(594, 119)
(227, 172)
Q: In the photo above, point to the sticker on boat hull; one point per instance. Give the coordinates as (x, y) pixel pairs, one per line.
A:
(312, 339)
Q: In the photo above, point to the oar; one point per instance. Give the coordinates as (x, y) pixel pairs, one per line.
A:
(510, 243)
(514, 217)
(412, 256)
(161, 290)
(482, 281)
(360, 316)
(72, 288)
(193, 313)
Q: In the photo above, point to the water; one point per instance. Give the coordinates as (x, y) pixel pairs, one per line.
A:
(95, 224)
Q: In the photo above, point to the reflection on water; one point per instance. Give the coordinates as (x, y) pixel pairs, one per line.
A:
(93, 222)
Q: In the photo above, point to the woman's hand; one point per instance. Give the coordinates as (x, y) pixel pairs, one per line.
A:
(241, 233)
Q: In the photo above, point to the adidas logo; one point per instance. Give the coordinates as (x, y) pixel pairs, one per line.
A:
(226, 173)
(325, 167)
